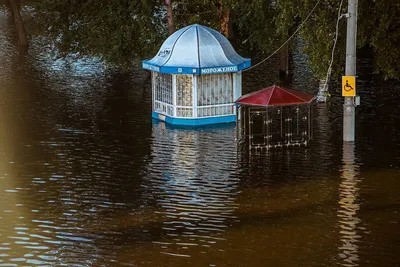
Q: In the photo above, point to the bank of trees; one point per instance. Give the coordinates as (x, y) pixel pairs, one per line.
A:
(121, 31)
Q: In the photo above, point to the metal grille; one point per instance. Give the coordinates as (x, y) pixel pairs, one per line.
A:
(162, 93)
(184, 95)
(184, 112)
(215, 95)
(274, 127)
(209, 111)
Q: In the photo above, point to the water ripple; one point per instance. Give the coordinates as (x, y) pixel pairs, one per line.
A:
(349, 207)
(194, 190)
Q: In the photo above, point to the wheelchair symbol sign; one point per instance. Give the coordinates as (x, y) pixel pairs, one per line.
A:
(348, 86)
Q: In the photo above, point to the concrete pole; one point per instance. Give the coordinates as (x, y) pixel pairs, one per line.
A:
(349, 110)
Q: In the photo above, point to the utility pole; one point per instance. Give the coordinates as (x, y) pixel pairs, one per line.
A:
(349, 110)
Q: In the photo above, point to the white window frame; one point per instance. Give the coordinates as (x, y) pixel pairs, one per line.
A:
(181, 107)
(162, 99)
(216, 106)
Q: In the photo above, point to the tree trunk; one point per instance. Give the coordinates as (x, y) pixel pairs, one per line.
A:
(224, 19)
(170, 16)
(284, 62)
(19, 24)
(230, 26)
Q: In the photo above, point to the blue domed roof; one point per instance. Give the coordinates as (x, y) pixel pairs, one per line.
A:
(196, 49)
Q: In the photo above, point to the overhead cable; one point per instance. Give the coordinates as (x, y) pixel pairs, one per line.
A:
(295, 32)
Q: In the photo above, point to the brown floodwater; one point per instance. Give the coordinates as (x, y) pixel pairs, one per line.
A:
(88, 179)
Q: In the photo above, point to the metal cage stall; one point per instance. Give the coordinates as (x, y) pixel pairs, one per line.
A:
(273, 127)
(263, 123)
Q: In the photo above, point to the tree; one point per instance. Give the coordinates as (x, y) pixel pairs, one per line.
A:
(170, 16)
(223, 17)
(213, 13)
(119, 32)
(266, 24)
(380, 30)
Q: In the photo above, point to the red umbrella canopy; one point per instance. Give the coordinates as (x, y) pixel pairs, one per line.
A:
(275, 96)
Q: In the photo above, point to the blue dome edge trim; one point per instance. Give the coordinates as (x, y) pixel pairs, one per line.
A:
(197, 71)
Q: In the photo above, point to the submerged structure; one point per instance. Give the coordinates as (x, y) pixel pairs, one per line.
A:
(196, 77)
(275, 117)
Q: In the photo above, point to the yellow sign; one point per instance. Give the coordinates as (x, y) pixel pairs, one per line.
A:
(348, 86)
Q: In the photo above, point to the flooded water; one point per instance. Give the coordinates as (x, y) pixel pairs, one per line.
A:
(88, 179)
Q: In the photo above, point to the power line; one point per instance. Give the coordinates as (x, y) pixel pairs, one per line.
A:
(277, 50)
(329, 72)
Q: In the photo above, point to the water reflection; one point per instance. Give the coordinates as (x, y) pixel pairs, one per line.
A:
(193, 186)
(324, 136)
(349, 207)
(60, 165)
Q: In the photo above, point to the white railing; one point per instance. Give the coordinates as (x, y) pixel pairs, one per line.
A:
(187, 111)
(215, 110)
(184, 112)
(163, 108)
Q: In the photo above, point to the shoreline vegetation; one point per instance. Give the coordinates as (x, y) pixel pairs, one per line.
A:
(120, 32)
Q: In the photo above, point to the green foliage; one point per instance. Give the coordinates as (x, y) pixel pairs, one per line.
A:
(320, 32)
(188, 12)
(257, 24)
(378, 27)
(268, 24)
(381, 29)
(122, 31)
(116, 31)
(204, 12)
